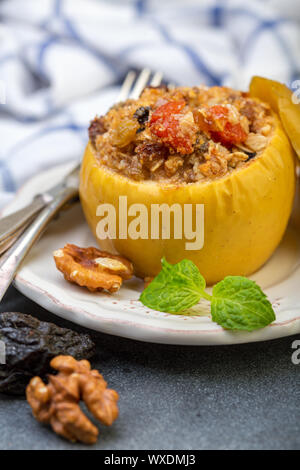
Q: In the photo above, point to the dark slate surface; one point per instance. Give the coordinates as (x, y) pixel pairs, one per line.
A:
(178, 397)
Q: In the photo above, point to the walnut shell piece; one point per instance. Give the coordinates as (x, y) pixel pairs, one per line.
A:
(92, 268)
(57, 403)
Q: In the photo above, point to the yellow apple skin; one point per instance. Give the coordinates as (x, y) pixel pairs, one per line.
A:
(246, 212)
(280, 98)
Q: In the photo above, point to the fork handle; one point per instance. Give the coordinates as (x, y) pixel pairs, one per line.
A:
(12, 259)
(13, 222)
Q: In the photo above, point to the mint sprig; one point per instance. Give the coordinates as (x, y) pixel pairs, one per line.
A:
(237, 303)
(175, 289)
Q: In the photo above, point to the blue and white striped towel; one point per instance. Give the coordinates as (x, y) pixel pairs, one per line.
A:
(61, 62)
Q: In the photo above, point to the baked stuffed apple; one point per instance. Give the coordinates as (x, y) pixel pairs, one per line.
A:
(217, 147)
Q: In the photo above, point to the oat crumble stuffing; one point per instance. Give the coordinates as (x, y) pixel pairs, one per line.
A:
(182, 135)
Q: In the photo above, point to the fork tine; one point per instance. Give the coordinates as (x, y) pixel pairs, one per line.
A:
(140, 83)
(156, 79)
(126, 87)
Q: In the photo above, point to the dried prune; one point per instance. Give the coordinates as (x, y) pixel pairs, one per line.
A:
(30, 344)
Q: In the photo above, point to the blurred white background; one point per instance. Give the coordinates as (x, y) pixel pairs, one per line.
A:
(61, 62)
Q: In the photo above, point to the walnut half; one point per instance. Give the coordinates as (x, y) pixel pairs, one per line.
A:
(57, 403)
(92, 268)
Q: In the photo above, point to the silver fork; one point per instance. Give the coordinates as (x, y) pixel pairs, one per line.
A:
(13, 225)
(19, 226)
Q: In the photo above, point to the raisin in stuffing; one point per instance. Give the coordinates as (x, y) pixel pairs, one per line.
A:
(142, 114)
(201, 146)
(250, 155)
(30, 345)
(97, 127)
(150, 152)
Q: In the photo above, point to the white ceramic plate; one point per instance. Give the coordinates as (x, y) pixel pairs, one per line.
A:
(122, 314)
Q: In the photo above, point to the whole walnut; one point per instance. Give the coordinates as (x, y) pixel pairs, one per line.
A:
(57, 403)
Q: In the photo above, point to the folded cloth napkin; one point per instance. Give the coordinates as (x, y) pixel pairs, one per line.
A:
(62, 61)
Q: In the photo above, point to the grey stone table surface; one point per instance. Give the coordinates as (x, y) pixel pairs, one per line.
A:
(177, 397)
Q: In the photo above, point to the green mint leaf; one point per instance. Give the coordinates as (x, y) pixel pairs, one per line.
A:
(175, 289)
(239, 304)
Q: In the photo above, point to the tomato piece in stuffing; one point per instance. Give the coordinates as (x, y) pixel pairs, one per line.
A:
(221, 129)
(165, 124)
